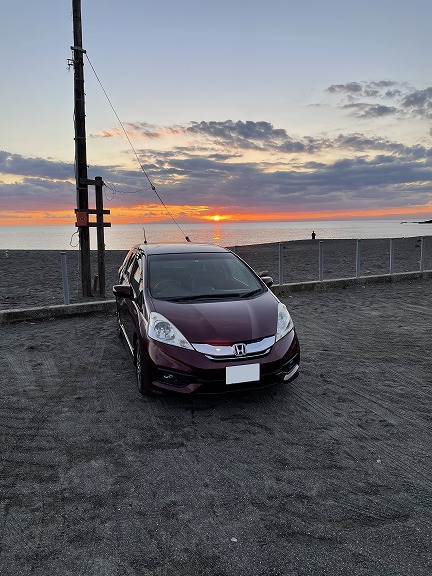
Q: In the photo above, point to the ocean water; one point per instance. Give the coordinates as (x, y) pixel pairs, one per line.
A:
(123, 236)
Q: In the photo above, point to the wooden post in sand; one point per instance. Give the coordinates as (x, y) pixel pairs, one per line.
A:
(358, 256)
(391, 255)
(422, 253)
(66, 297)
(100, 225)
(100, 235)
(321, 261)
(280, 263)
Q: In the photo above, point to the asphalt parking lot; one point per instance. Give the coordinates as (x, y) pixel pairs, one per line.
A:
(329, 475)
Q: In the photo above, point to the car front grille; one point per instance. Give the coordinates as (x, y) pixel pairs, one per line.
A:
(235, 352)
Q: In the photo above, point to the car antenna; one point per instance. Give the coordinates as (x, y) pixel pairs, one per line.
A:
(145, 239)
(187, 239)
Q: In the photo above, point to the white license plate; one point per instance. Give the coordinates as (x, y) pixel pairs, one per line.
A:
(244, 373)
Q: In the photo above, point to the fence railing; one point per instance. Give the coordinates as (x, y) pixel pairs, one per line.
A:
(312, 260)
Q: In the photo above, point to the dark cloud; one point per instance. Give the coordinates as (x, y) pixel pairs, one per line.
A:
(359, 143)
(36, 167)
(350, 88)
(215, 172)
(392, 94)
(233, 130)
(419, 103)
(36, 194)
(361, 110)
(247, 135)
(365, 89)
(386, 179)
(405, 100)
(210, 165)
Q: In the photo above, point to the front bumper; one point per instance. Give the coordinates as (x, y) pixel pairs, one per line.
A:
(186, 371)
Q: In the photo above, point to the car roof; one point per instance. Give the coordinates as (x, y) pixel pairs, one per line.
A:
(180, 248)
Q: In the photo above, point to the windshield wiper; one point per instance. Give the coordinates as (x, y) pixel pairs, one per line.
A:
(219, 295)
(251, 293)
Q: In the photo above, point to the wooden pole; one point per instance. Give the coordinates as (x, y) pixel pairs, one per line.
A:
(100, 235)
(80, 147)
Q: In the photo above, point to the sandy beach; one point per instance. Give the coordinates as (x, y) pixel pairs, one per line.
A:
(330, 474)
(33, 277)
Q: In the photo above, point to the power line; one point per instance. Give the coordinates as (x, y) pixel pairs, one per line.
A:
(153, 187)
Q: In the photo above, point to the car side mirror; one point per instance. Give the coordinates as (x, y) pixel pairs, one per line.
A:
(123, 291)
(268, 280)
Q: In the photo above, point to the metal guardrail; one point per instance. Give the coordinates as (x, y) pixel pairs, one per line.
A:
(280, 290)
(321, 260)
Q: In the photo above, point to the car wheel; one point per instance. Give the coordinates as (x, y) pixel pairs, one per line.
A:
(143, 381)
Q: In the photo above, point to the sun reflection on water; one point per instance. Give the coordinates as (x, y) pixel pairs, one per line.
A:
(216, 235)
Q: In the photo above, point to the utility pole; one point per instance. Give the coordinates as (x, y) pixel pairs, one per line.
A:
(81, 150)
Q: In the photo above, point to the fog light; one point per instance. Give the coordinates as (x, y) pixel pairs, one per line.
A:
(285, 376)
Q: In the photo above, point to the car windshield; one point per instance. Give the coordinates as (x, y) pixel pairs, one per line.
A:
(189, 277)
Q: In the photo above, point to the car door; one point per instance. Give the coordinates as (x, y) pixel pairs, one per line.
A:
(129, 309)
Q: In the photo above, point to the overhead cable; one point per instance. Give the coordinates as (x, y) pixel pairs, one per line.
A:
(153, 187)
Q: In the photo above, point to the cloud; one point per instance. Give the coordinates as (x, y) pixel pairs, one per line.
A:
(361, 110)
(255, 131)
(380, 89)
(247, 135)
(360, 143)
(140, 130)
(406, 101)
(387, 179)
(419, 103)
(36, 194)
(384, 179)
(243, 135)
(35, 167)
(252, 164)
(362, 165)
(352, 88)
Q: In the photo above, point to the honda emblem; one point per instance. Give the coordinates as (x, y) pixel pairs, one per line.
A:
(239, 349)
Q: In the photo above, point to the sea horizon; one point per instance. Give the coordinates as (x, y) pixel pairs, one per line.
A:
(123, 236)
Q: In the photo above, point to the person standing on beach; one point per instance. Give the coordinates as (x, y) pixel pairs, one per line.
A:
(313, 234)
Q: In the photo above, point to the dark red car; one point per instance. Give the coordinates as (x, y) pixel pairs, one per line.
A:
(198, 318)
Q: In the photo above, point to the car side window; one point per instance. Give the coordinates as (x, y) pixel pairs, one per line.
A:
(129, 267)
(126, 264)
(135, 277)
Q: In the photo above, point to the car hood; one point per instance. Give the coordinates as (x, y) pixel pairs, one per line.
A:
(219, 322)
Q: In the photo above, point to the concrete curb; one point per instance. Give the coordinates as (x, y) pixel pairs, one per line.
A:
(108, 306)
(59, 311)
(321, 286)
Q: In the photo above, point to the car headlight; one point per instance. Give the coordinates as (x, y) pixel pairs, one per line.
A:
(162, 330)
(284, 322)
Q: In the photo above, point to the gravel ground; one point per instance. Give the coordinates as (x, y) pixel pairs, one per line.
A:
(329, 475)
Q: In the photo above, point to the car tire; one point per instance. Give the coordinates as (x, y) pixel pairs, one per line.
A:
(142, 379)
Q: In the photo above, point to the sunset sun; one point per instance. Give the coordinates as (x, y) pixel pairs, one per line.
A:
(216, 218)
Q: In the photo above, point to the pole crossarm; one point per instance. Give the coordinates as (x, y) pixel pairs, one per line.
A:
(90, 182)
(79, 49)
(91, 211)
(82, 217)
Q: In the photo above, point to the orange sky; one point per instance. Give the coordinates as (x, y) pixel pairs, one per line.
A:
(151, 213)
